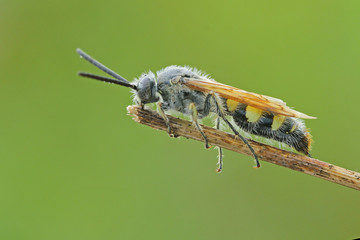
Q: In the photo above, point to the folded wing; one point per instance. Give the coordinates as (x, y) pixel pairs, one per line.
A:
(270, 104)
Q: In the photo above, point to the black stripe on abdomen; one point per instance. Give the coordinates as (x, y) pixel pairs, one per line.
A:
(291, 131)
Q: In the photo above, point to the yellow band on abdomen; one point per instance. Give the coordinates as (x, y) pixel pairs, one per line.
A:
(232, 105)
(278, 120)
(253, 114)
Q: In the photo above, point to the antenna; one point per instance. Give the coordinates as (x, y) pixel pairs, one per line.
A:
(106, 79)
(120, 80)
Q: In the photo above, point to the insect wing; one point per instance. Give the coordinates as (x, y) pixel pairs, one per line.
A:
(270, 104)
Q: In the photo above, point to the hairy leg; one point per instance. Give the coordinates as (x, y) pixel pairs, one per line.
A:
(166, 119)
(220, 112)
(195, 121)
(220, 150)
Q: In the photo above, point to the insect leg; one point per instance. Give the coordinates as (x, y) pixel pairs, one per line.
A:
(194, 118)
(166, 119)
(207, 105)
(220, 161)
(222, 115)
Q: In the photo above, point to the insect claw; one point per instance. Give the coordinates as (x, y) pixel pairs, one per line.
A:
(207, 146)
(171, 134)
(257, 164)
(170, 131)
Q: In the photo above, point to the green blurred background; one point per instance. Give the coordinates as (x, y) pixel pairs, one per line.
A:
(74, 165)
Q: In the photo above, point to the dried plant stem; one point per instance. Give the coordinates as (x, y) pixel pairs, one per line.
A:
(266, 153)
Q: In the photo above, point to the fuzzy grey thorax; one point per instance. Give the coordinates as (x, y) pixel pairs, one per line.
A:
(175, 95)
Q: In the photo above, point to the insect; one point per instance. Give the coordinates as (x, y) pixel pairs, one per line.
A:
(193, 93)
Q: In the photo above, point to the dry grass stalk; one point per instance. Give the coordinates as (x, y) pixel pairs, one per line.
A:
(266, 153)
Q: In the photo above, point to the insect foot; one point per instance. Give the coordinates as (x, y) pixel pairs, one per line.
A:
(170, 132)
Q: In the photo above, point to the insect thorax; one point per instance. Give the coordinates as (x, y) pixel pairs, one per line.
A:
(178, 97)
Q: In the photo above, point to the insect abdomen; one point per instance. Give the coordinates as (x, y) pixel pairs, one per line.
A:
(290, 131)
